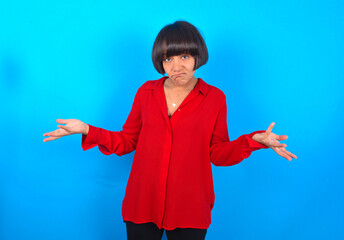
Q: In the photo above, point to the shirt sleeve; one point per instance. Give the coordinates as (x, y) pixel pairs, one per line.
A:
(118, 142)
(224, 152)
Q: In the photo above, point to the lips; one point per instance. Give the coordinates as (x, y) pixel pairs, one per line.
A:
(178, 75)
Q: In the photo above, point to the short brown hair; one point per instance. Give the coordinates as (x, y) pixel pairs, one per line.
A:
(178, 38)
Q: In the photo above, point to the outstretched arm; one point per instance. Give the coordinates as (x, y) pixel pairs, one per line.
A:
(224, 152)
(270, 139)
(118, 142)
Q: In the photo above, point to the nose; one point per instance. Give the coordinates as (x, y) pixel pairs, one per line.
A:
(176, 65)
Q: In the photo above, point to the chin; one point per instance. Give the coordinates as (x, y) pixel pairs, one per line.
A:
(181, 81)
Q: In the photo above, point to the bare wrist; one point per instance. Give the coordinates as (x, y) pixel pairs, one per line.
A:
(255, 137)
(87, 128)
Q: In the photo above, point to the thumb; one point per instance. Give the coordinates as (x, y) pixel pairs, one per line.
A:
(64, 128)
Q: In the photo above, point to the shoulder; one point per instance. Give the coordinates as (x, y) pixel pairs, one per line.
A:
(150, 85)
(153, 84)
(211, 91)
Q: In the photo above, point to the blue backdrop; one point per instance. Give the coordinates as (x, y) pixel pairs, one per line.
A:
(276, 61)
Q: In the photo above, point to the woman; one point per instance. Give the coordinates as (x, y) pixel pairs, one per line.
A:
(178, 126)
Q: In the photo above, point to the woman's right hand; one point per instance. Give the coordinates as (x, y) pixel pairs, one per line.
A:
(73, 126)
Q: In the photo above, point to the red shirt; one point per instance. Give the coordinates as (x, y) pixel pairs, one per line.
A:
(170, 182)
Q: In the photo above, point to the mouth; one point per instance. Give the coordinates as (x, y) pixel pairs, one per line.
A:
(178, 75)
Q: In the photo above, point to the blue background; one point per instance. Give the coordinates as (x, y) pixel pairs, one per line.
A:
(276, 61)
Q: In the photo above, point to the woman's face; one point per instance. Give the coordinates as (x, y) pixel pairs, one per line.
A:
(180, 68)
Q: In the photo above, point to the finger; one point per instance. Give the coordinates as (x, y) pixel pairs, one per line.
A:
(64, 127)
(281, 137)
(274, 143)
(278, 144)
(49, 133)
(268, 131)
(57, 133)
(286, 156)
(62, 121)
(282, 153)
(50, 139)
(289, 153)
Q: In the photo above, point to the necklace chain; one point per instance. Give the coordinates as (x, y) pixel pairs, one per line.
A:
(175, 102)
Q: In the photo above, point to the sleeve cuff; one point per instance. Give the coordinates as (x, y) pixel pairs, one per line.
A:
(92, 139)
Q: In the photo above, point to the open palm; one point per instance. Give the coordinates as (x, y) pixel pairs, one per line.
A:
(73, 126)
(270, 139)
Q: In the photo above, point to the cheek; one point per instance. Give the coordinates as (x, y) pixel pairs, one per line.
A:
(192, 64)
(165, 67)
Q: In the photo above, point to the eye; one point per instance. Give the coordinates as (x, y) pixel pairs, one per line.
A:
(185, 56)
(167, 60)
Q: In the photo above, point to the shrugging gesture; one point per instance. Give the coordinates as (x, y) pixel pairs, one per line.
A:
(73, 126)
(270, 139)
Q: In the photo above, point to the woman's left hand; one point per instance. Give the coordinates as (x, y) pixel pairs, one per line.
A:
(270, 140)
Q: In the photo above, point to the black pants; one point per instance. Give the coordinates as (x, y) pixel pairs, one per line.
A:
(150, 231)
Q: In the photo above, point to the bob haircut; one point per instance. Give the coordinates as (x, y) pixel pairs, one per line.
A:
(179, 38)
